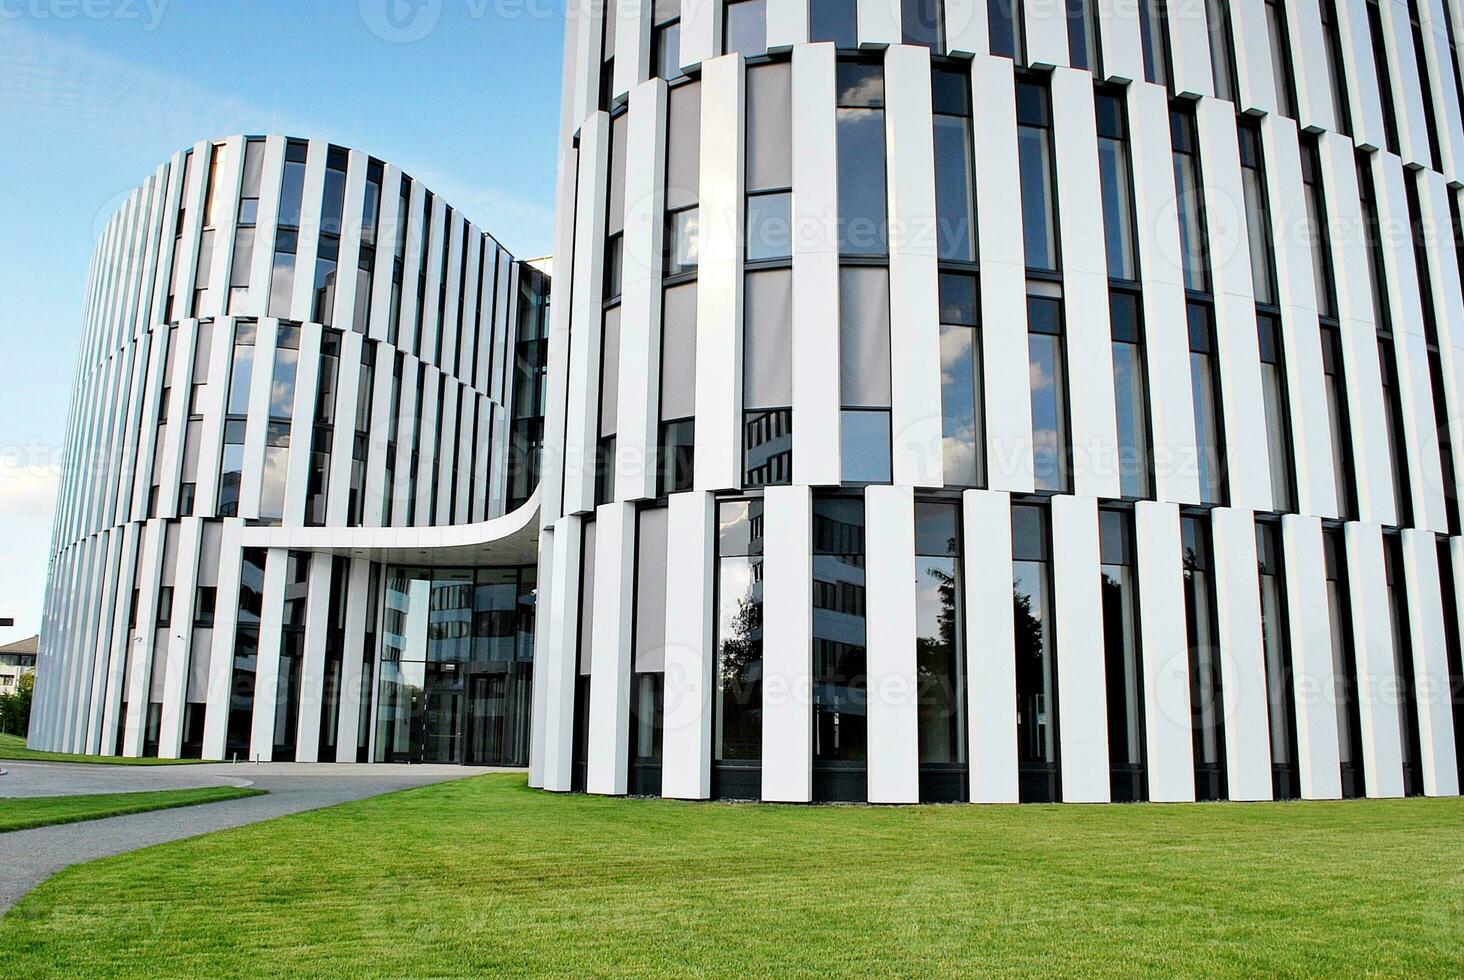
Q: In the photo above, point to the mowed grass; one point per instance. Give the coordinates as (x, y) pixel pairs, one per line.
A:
(13, 747)
(41, 811)
(486, 876)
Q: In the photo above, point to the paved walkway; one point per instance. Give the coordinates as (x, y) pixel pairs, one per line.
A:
(29, 857)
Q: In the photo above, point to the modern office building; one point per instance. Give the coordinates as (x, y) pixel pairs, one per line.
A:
(942, 400)
(296, 520)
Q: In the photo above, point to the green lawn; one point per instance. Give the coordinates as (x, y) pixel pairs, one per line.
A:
(484, 875)
(40, 811)
(13, 747)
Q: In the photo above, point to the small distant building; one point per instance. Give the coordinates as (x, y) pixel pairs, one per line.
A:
(16, 659)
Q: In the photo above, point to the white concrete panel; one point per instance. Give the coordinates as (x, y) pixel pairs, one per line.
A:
(556, 662)
(1242, 658)
(686, 752)
(1311, 430)
(966, 29)
(1189, 52)
(1003, 277)
(307, 374)
(221, 653)
(878, 22)
(1094, 435)
(610, 651)
(1249, 471)
(312, 668)
(1362, 78)
(1407, 86)
(787, 23)
(1365, 410)
(632, 44)
(140, 657)
(638, 398)
(175, 677)
(1168, 736)
(718, 462)
(1430, 664)
(540, 708)
(267, 664)
(348, 383)
(1439, 54)
(1448, 303)
(816, 402)
(1372, 635)
(582, 416)
(1415, 390)
(893, 714)
(1044, 33)
(348, 731)
(257, 424)
(787, 733)
(1252, 46)
(1082, 701)
(1314, 682)
(991, 671)
(1310, 63)
(916, 416)
(701, 31)
(1123, 52)
(1171, 401)
(307, 247)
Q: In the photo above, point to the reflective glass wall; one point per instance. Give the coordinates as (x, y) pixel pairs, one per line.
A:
(456, 666)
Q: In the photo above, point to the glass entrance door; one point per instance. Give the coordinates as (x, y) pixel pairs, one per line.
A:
(443, 727)
(486, 721)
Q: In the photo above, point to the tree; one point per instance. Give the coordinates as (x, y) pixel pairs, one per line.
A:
(15, 707)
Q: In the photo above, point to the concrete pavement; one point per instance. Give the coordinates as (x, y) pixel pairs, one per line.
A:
(28, 857)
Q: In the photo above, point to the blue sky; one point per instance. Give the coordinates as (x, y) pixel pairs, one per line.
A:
(462, 94)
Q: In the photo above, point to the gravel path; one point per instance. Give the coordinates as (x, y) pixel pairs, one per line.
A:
(29, 857)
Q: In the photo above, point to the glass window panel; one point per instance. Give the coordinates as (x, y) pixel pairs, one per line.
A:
(683, 241)
(864, 336)
(865, 440)
(281, 284)
(920, 22)
(839, 658)
(738, 711)
(677, 453)
(745, 28)
(1002, 27)
(767, 448)
(668, 51)
(770, 126)
(683, 145)
(1116, 176)
(282, 386)
(937, 528)
(1036, 664)
(960, 398)
(1039, 206)
(1273, 638)
(769, 226)
(955, 207)
(834, 20)
(1047, 377)
(767, 374)
(861, 182)
(678, 352)
(1082, 35)
(938, 661)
